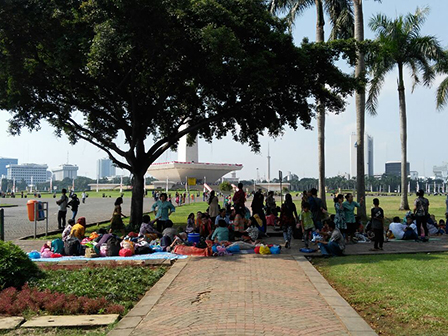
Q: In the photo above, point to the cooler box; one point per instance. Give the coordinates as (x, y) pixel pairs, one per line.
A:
(193, 237)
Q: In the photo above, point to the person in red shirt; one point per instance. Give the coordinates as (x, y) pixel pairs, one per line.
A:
(239, 200)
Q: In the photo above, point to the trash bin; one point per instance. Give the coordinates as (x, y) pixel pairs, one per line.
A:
(193, 237)
(31, 207)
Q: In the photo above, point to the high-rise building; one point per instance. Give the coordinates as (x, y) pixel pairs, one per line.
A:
(4, 162)
(65, 170)
(30, 172)
(441, 172)
(368, 154)
(394, 168)
(105, 168)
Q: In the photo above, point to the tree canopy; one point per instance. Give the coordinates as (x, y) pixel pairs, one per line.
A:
(144, 70)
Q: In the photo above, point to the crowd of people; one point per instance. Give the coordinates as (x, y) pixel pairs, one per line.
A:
(234, 221)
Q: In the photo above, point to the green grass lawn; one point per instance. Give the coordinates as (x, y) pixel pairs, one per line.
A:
(397, 294)
(391, 204)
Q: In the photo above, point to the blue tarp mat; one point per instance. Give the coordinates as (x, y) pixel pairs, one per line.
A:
(156, 255)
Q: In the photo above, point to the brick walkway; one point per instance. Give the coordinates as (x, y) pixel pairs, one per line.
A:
(243, 295)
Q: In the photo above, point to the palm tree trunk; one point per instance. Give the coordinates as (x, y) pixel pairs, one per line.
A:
(321, 110)
(360, 100)
(404, 205)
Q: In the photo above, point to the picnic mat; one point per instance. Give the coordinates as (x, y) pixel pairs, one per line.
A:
(410, 240)
(153, 256)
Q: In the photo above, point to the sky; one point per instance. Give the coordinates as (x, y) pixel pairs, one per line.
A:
(295, 151)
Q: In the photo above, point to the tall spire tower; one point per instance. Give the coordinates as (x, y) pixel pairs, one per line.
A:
(269, 165)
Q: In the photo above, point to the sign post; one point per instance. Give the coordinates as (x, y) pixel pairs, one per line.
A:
(280, 177)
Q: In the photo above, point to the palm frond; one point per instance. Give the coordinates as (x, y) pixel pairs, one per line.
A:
(442, 94)
(378, 73)
(414, 74)
(343, 27)
(292, 8)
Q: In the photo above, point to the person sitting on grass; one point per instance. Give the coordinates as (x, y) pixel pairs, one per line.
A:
(221, 233)
(222, 215)
(410, 232)
(336, 245)
(169, 231)
(205, 227)
(179, 239)
(252, 231)
(147, 227)
(79, 229)
(190, 223)
(68, 229)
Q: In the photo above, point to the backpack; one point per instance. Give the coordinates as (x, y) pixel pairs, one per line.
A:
(143, 250)
(422, 207)
(72, 247)
(57, 245)
(113, 246)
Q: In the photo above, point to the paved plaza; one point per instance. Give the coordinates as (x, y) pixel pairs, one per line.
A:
(95, 210)
(243, 295)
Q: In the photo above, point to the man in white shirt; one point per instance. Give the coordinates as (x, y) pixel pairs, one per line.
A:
(397, 228)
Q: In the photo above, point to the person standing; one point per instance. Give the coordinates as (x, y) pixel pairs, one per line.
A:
(271, 206)
(213, 206)
(306, 222)
(421, 212)
(317, 209)
(83, 197)
(239, 200)
(164, 210)
(257, 208)
(288, 219)
(349, 213)
(377, 218)
(116, 222)
(339, 218)
(62, 213)
(74, 204)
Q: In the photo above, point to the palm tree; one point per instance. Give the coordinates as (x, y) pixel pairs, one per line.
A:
(360, 101)
(399, 44)
(442, 91)
(341, 17)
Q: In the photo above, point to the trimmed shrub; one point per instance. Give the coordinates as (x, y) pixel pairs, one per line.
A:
(15, 266)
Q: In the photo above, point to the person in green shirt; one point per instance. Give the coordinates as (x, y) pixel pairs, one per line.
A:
(306, 222)
(164, 210)
(221, 233)
(349, 213)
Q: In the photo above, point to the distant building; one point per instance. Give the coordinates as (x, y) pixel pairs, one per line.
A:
(368, 154)
(105, 168)
(64, 171)
(27, 172)
(4, 162)
(441, 172)
(394, 168)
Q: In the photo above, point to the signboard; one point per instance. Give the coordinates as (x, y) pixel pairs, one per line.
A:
(191, 181)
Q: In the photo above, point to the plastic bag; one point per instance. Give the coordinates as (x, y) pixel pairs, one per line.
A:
(265, 249)
(34, 255)
(275, 249)
(125, 252)
(46, 253)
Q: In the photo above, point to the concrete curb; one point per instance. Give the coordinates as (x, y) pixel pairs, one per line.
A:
(354, 323)
(127, 325)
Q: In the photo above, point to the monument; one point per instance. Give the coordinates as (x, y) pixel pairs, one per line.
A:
(188, 166)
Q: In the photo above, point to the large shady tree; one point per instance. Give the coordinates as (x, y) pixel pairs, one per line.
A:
(400, 44)
(341, 17)
(154, 71)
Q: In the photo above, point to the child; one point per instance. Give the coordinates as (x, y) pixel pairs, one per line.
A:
(377, 218)
(169, 231)
(147, 227)
(190, 223)
(221, 233)
(252, 231)
(306, 222)
(79, 229)
(68, 229)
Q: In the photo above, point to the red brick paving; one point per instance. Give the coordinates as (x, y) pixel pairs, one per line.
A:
(241, 295)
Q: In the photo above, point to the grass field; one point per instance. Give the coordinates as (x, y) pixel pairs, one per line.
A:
(397, 294)
(391, 204)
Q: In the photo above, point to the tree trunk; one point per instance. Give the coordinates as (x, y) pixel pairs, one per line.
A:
(360, 100)
(404, 205)
(138, 193)
(320, 22)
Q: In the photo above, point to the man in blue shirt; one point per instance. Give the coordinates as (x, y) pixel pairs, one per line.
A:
(164, 210)
(222, 215)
